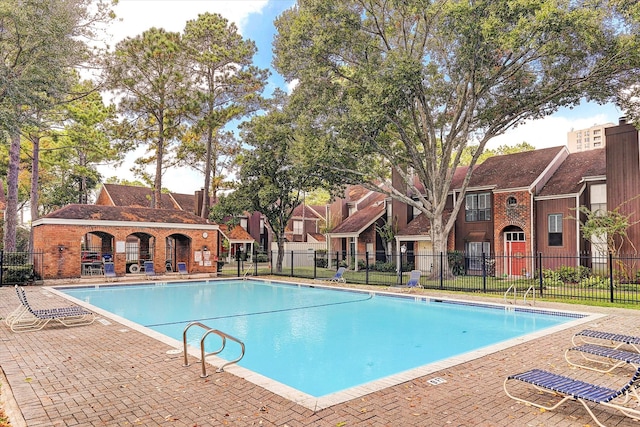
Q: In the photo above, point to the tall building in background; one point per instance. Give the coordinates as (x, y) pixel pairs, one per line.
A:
(587, 139)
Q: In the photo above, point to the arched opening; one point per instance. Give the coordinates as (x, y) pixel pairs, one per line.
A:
(139, 247)
(177, 249)
(96, 248)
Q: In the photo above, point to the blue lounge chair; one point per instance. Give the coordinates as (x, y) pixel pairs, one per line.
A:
(149, 269)
(606, 339)
(29, 319)
(605, 357)
(581, 391)
(338, 277)
(414, 279)
(109, 271)
(182, 268)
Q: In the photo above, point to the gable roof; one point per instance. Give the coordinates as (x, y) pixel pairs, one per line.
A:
(236, 235)
(134, 196)
(79, 214)
(518, 170)
(359, 221)
(306, 212)
(570, 176)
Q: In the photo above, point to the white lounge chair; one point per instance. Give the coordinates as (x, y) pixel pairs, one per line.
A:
(29, 319)
(572, 389)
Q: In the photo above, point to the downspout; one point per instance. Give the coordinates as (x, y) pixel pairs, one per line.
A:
(578, 226)
(532, 267)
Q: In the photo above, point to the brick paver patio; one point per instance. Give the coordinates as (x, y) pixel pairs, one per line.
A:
(106, 374)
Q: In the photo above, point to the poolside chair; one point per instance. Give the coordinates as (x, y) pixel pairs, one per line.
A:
(182, 268)
(414, 279)
(149, 270)
(109, 271)
(606, 339)
(603, 350)
(29, 319)
(581, 391)
(338, 277)
(603, 359)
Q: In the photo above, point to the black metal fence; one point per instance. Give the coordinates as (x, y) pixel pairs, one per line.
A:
(580, 277)
(19, 268)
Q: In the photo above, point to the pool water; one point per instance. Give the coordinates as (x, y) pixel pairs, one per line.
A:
(316, 340)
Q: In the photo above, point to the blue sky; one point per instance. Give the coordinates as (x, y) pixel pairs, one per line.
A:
(254, 19)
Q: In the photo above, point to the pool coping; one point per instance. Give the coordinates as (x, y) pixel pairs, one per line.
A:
(317, 403)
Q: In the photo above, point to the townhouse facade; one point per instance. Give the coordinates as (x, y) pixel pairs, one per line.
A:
(515, 206)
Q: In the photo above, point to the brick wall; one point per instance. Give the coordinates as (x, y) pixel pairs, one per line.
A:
(518, 215)
(61, 245)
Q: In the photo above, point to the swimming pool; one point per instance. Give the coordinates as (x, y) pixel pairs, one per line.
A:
(319, 341)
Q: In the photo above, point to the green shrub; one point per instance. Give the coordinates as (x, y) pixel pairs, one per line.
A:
(551, 278)
(385, 267)
(262, 257)
(573, 274)
(19, 274)
(597, 282)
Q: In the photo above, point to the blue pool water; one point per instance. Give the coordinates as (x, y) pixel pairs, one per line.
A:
(316, 340)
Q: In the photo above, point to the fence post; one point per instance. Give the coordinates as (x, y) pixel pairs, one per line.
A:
(291, 263)
(366, 267)
(315, 264)
(539, 262)
(255, 261)
(611, 275)
(441, 272)
(484, 272)
(238, 260)
(1, 267)
(337, 262)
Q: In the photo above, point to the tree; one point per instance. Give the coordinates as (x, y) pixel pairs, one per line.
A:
(276, 170)
(406, 86)
(41, 43)
(226, 88)
(469, 151)
(148, 73)
(607, 231)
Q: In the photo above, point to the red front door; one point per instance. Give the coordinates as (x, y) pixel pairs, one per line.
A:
(516, 249)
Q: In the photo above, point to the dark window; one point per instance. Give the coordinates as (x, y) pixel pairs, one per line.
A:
(478, 207)
(511, 202)
(555, 229)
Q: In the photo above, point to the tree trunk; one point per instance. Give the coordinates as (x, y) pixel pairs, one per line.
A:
(206, 205)
(156, 201)
(439, 240)
(280, 257)
(34, 196)
(11, 214)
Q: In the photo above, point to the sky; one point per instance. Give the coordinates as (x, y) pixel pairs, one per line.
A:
(254, 19)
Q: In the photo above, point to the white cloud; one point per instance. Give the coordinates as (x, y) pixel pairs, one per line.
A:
(137, 16)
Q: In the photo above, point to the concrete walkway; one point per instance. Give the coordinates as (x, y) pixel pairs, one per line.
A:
(106, 374)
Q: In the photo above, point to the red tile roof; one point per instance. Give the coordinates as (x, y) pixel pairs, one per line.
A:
(237, 233)
(569, 176)
(130, 195)
(361, 219)
(304, 211)
(518, 170)
(132, 214)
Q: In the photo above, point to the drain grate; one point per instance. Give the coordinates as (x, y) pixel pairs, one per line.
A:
(436, 381)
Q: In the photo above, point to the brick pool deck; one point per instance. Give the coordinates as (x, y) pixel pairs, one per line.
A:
(107, 374)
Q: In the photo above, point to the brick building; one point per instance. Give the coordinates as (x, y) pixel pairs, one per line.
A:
(76, 240)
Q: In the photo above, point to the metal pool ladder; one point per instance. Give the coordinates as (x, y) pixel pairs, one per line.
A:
(209, 331)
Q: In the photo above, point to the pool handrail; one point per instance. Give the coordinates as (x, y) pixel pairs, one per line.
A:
(203, 356)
